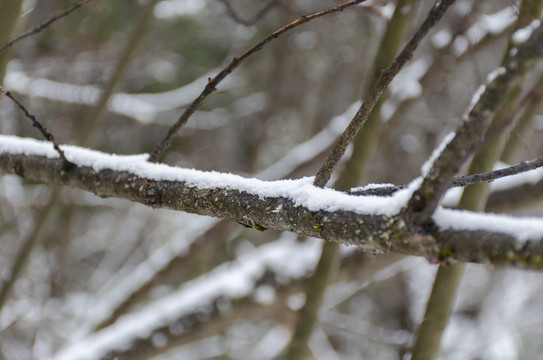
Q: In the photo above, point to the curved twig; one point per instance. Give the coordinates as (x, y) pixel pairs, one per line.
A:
(460, 181)
(387, 75)
(213, 82)
(43, 25)
(35, 122)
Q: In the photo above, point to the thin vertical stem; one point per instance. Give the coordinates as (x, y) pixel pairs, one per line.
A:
(438, 311)
(390, 43)
(9, 14)
(436, 13)
(447, 281)
(94, 119)
(313, 299)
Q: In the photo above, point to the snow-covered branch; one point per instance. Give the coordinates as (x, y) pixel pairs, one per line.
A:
(471, 133)
(373, 223)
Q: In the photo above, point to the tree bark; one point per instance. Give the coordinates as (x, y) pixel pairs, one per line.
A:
(372, 233)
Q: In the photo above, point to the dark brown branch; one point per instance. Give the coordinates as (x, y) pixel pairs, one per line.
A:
(497, 174)
(372, 233)
(213, 82)
(387, 75)
(43, 25)
(471, 132)
(462, 181)
(35, 122)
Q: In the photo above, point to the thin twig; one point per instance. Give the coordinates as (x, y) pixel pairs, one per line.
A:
(35, 122)
(497, 174)
(436, 13)
(471, 131)
(248, 22)
(462, 181)
(44, 24)
(213, 82)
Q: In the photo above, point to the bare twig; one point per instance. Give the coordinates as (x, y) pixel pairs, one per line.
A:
(43, 25)
(462, 181)
(247, 22)
(46, 134)
(213, 82)
(471, 132)
(497, 174)
(436, 13)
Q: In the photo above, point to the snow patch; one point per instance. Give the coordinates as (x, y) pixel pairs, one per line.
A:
(300, 191)
(428, 164)
(523, 34)
(476, 97)
(522, 228)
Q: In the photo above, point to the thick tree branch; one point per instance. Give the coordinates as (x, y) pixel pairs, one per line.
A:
(372, 223)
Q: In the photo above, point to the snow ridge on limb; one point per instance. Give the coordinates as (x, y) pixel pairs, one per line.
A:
(374, 223)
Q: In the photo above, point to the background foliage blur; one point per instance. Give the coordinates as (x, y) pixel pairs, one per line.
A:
(91, 261)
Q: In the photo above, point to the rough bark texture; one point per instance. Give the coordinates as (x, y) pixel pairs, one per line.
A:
(372, 233)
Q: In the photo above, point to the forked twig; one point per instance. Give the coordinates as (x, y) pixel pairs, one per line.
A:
(35, 122)
(387, 75)
(213, 82)
(43, 25)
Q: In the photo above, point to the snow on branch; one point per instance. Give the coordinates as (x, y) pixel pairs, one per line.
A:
(374, 223)
(471, 133)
